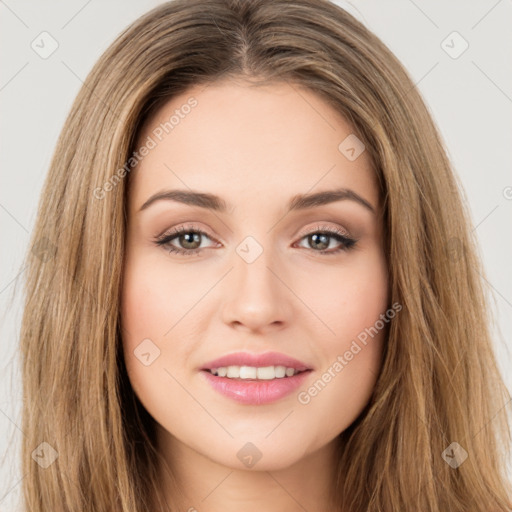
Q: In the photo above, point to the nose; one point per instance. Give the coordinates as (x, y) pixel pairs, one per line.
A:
(256, 296)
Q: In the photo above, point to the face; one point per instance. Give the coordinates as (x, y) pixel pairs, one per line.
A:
(246, 307)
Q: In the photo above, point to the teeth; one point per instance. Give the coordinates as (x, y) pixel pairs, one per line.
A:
(248, 372)
(267, 373)
(251, 372)
(281, 372)
(233, 372)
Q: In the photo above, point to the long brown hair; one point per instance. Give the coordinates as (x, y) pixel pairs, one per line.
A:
(439, 381)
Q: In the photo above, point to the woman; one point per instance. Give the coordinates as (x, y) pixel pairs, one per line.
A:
(259, 287)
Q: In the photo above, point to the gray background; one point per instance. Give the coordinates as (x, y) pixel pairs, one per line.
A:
(469, 96)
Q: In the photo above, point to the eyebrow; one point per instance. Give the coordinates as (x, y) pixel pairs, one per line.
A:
(297, 202)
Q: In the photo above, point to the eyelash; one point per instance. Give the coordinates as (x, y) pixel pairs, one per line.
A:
(165, 239)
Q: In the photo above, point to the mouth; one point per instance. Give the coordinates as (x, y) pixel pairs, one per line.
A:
(255, 379)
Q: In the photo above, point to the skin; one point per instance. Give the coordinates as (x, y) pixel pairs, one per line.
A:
(255, 147)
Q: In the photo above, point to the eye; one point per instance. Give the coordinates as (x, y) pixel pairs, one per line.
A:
(190, 240)
(188, 237)
(323, 236)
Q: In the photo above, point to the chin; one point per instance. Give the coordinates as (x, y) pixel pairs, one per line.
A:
(259, 455)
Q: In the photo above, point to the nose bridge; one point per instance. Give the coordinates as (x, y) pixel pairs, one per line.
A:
(252, 262)
(256, 297)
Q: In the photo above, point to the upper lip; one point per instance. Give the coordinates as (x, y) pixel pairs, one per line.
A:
(256, 360)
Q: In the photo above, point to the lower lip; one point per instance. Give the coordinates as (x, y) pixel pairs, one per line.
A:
(255, 392)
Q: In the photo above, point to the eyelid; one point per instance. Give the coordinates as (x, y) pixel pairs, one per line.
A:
(319, 226)
(184, 228)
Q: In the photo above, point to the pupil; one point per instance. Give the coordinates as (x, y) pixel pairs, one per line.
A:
(324, 240)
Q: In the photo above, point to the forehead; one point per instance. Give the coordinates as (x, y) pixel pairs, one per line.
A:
(239, 141)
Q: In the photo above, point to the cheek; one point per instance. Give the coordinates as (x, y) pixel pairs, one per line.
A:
(354, 308)
(153, 301)
(156, 297)
(146, 316)
(345, 298)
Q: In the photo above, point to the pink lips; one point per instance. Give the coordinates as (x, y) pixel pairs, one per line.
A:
(256, 392)
(265, 359)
